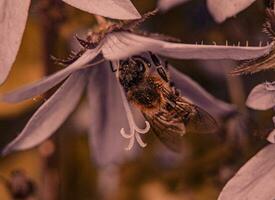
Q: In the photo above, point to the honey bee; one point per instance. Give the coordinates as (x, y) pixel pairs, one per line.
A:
(145, 80)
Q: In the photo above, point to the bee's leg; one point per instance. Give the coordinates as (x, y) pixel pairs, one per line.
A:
(160, 69)
(166, 64)
(174, 89)
(155, 59)
(162, 74)
(112, 67)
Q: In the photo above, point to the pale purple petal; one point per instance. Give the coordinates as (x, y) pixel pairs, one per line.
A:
(13, 18)
(262, 97)
(199, 96)
(50, 116)
(165, 5)
(117, 9)
(107, 118)
(271, 136)
(121, 45)
(47, 83)
(255, 180)
(107, 186)
(223, 9)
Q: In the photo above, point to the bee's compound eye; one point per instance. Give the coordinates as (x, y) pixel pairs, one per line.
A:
(141, 66)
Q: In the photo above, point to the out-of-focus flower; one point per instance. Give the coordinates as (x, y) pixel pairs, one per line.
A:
(165, 5)
(255, 180)
(223, 9)
(219, 9)
(271, 136)
(14, 14)
(110, 110)
(19, 185)
(262, 97)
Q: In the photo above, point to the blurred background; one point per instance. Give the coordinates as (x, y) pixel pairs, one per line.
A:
(61, 167)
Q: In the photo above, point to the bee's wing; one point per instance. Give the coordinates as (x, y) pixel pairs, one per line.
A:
(197, 121)
(169, 134)
(188, 118)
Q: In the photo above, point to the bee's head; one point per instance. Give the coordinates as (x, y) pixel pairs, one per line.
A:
(132, 71)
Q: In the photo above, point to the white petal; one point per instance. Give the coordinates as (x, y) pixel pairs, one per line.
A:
(49, 117)
(165, 5)
(13, 18)
(120, 45)
(199, 96)
(255, 180)
(47, 83)
(260, 98)
(107, 118)
(117, 9)
(223, 9)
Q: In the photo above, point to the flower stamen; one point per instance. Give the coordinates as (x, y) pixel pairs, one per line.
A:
(135, 131)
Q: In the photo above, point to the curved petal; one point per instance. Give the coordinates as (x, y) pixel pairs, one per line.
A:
(262, 97)
(107, 118)
(13, 18)
(223, 9)
(271, 137)
(49, 117)
(165, 5)
(121, 45)
(199, 96)
(117, 9)
(47, 83)
(255, 180)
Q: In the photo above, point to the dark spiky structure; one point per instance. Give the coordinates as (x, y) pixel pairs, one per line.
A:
(94, 38)
(265, 62)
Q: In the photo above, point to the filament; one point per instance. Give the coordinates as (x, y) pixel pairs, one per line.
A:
(135, 131)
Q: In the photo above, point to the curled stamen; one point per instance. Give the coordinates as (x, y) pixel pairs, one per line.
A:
(135, 131)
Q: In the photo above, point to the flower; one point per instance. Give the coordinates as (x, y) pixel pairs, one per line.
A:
(13, 18)
(255, 180)
(110, 110)
(262, 97)
(219, 9)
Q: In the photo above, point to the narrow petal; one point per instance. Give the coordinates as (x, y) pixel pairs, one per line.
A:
(49, 117)
(107, 118)
(47, 83)
(223, 9)
(255, 180)
(165, 5)
(117, 9)
(271, 137)
(13, 18)
(116, 44)
(262, 97)
(199, 96)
